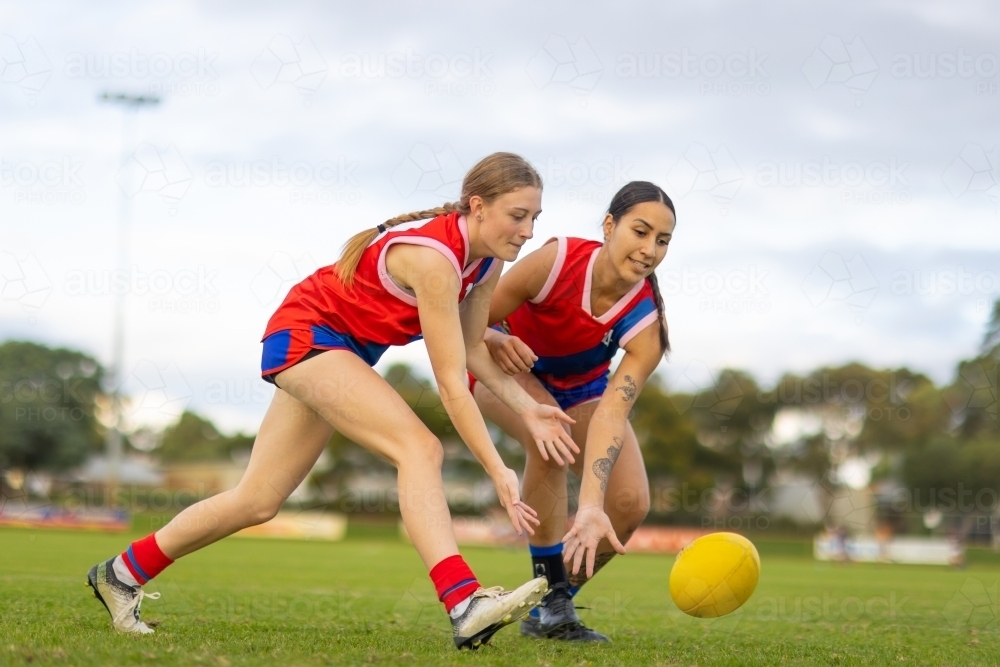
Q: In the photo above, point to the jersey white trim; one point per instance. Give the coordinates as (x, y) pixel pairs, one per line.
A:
(557, 267)
(619, 305)
(472, 267)
(463, 227)
(390, 284)
(638, 327)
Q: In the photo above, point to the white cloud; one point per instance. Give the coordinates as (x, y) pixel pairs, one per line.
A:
(645, 126)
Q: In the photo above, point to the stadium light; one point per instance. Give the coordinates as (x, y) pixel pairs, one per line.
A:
(130, 104)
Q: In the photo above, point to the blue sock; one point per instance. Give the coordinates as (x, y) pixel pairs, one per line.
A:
(547, 562)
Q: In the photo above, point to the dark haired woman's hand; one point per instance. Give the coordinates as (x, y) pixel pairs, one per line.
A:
(510, 353)
(589, 527)
(545, 423)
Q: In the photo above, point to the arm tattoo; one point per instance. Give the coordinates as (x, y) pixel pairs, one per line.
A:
(628, 389)
(602, 467)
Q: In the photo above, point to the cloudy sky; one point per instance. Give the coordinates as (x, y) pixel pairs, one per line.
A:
(835, 170)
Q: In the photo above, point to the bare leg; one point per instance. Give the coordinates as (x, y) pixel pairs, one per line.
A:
(544, 482)
(626, 501)
(335, 389)
(289, 441)
(361, 405)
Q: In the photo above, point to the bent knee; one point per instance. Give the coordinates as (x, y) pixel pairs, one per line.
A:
(264, 513)
(631, 506)
(641, 509)
(257, 509)
(637, 514)
(642, 503)
(426, 450)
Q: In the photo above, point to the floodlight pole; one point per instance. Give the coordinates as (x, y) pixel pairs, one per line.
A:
(130, 105)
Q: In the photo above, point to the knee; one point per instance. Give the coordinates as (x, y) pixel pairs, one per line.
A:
(640, 510)
(637, 514)
(257, 509)
(632, 505)
(262, 512)
(426, 450)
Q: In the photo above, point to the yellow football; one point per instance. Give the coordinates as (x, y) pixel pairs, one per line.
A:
(714, 575)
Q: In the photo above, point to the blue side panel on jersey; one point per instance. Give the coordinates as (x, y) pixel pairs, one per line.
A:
(576, 364)
(276, 349)
(586, 361)
(631, 318)
(483, 268)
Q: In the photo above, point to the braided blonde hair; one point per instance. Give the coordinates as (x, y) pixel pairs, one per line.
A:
(494, 175)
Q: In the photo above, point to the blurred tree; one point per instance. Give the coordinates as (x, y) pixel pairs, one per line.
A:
(48, 403)
(954, 474)
(961, 450)
(194, 438)
(991, 339)
(974, 393)
(860, 411)
(669, 440)
(733, 418)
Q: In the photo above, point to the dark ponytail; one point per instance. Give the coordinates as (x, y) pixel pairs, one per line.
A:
(658, 298)
(639, 192)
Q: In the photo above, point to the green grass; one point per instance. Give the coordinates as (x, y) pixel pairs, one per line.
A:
(368, 600)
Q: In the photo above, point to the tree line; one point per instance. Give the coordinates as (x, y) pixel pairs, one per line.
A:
(734, 433)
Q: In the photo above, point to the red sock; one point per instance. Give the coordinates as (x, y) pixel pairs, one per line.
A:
(453, 580)
(144, 559)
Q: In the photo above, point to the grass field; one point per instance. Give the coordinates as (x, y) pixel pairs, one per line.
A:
(368, 600)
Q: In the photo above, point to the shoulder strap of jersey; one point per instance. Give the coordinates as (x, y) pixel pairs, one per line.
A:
(557, 267)
(640, 314)
(436, 233)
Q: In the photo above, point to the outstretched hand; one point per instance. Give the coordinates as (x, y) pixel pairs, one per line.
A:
(545, 423)
(521, 516)
(590, 526)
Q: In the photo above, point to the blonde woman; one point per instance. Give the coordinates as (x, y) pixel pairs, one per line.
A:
(429, 274)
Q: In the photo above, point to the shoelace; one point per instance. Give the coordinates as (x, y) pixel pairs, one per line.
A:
(134, 604)
(491, 592)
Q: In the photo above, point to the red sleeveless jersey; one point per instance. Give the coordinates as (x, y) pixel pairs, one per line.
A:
(375, 309)
(572, 345)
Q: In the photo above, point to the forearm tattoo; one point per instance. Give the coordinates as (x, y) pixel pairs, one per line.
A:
(627, 389)
(602, 467)
(580, 578)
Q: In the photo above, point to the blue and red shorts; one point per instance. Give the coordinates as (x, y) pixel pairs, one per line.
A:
(283, 349)
(571, 397)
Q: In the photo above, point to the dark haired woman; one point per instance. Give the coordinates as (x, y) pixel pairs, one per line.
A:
(429, 274)
(565, 310)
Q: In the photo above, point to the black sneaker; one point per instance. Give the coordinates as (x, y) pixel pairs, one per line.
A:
(529, 628)
(557, 619)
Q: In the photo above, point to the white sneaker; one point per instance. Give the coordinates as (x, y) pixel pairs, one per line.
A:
(121, 600)
(492, 608)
